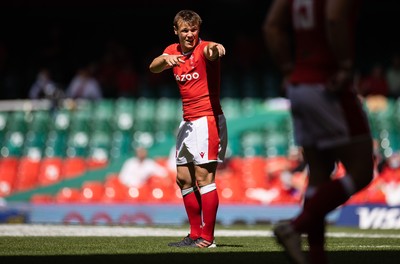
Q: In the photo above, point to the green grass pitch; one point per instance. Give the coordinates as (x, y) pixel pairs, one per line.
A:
(345, 245)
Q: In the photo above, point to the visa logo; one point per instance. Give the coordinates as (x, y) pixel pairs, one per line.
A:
(379, 218)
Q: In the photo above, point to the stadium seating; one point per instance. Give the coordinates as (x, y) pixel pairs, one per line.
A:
(42, 148)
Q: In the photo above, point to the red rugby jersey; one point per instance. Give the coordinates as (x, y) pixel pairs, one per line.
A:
(314, 61)
(198, 80)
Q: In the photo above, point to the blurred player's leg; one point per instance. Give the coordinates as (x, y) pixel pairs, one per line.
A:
(316, 237)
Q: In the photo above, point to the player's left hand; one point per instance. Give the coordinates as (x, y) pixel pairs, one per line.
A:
(216, 49)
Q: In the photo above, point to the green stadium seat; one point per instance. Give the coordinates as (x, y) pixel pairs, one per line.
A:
(231, 107)
(103, 109)
(61, 120)
(252, 143)
(167, 116)
(77, 144)
(81, 121)
(99, 148)
(250, 106)
(144, 114)
(13, 144)
(3, 125)
(124, 114)
(121, 144)
(18, 121)
(56, 143)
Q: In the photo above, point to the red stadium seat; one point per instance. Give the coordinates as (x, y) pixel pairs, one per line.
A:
(50, 171)
(161, 189)
(230, 187)
(73, 167)
(254, 172)
(8, 175)
(92, 191)
(28, 171)
(114, 190)
(42, 199)
(68, 195)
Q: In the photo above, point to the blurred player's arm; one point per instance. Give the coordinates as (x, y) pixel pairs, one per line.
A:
(214, 50)
(338, 17)
(276, 30)
(164, 62)
(338, 14)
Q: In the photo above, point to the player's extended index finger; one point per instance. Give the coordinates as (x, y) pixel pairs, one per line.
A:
(179, 58)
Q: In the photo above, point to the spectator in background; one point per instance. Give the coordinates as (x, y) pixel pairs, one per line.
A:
(136, 170)
(44, 86)
(393, 77)
(84, 85)
(374, 83)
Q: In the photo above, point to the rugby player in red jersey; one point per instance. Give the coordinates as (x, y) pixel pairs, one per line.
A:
(202, 135)
(312, 42)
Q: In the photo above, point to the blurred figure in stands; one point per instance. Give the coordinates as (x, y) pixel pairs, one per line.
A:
(84, 85)
(136, 170)
(45, 88)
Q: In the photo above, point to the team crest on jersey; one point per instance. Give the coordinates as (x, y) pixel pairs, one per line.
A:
(202, 154)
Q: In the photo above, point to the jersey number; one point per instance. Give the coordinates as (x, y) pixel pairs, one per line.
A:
(303, 14)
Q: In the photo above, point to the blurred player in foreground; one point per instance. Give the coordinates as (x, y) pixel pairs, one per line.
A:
(202, 135)
(329, 121)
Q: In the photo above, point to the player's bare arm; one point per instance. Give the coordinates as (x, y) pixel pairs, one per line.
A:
(337, 18)
(214, 51)
(164, 62)
(277, 36)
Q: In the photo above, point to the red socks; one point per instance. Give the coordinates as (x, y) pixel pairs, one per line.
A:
(192, 203)
(210, 202)
(327, 197)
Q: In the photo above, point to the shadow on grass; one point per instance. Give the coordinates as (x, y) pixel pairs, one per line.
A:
(365, 257)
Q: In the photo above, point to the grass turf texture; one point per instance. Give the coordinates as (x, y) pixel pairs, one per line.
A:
(259, 249)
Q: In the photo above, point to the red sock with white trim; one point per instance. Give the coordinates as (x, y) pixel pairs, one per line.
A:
(327, 198)
(210, 202)
(192, 203)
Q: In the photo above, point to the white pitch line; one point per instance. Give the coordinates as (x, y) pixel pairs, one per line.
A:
(21, 230)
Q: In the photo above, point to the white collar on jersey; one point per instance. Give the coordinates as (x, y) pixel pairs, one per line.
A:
(187, 53)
